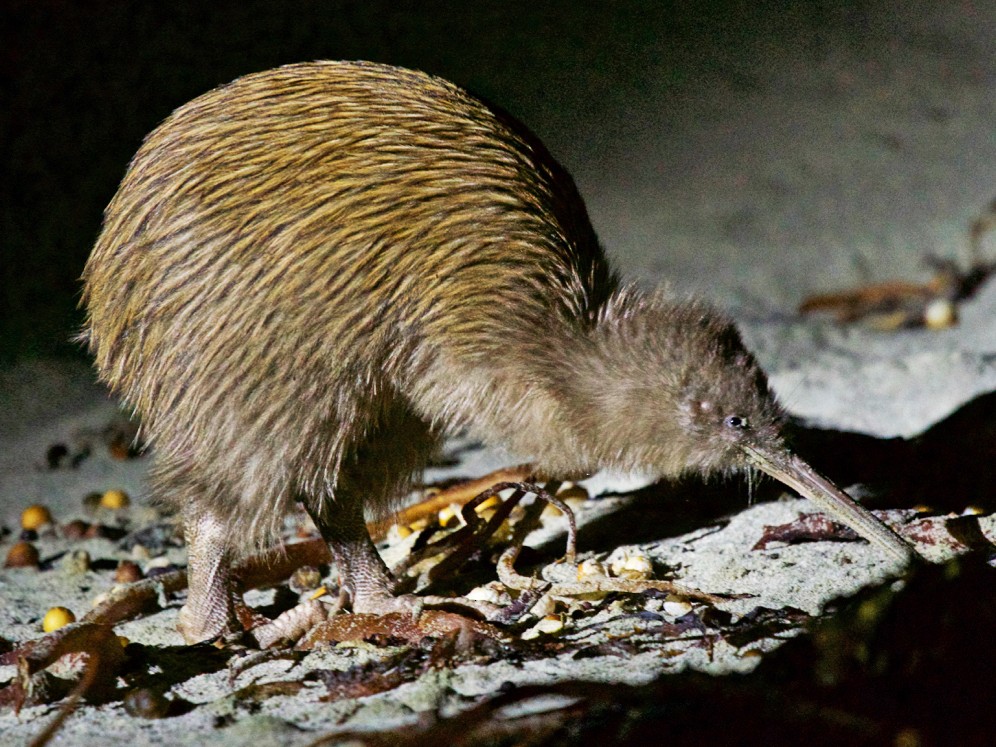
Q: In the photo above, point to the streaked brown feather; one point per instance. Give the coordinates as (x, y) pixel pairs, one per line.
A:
(289, 254)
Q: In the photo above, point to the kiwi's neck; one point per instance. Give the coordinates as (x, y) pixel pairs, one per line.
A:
(572, 398)
(617, 389)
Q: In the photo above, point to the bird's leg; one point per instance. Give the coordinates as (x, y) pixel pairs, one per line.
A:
(209, 612)
(363, 575)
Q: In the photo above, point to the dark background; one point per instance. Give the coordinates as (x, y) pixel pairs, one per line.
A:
(83, 82)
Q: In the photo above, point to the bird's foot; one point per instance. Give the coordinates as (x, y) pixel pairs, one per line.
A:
(203, 620)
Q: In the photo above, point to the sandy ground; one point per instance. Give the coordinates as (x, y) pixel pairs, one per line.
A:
(817, 168)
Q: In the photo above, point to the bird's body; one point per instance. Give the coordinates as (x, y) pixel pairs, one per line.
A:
(309, 275)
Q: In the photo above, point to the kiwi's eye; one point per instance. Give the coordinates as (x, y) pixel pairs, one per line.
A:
(736, 422)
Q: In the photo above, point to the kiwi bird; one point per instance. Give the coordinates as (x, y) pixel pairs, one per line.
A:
(312, 274)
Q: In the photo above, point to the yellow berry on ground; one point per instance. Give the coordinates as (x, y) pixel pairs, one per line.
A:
(114, 499)
(36, 516)
(940, 314)
(56, 618)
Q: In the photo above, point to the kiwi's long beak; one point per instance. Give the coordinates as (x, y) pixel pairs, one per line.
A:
(785, 466)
